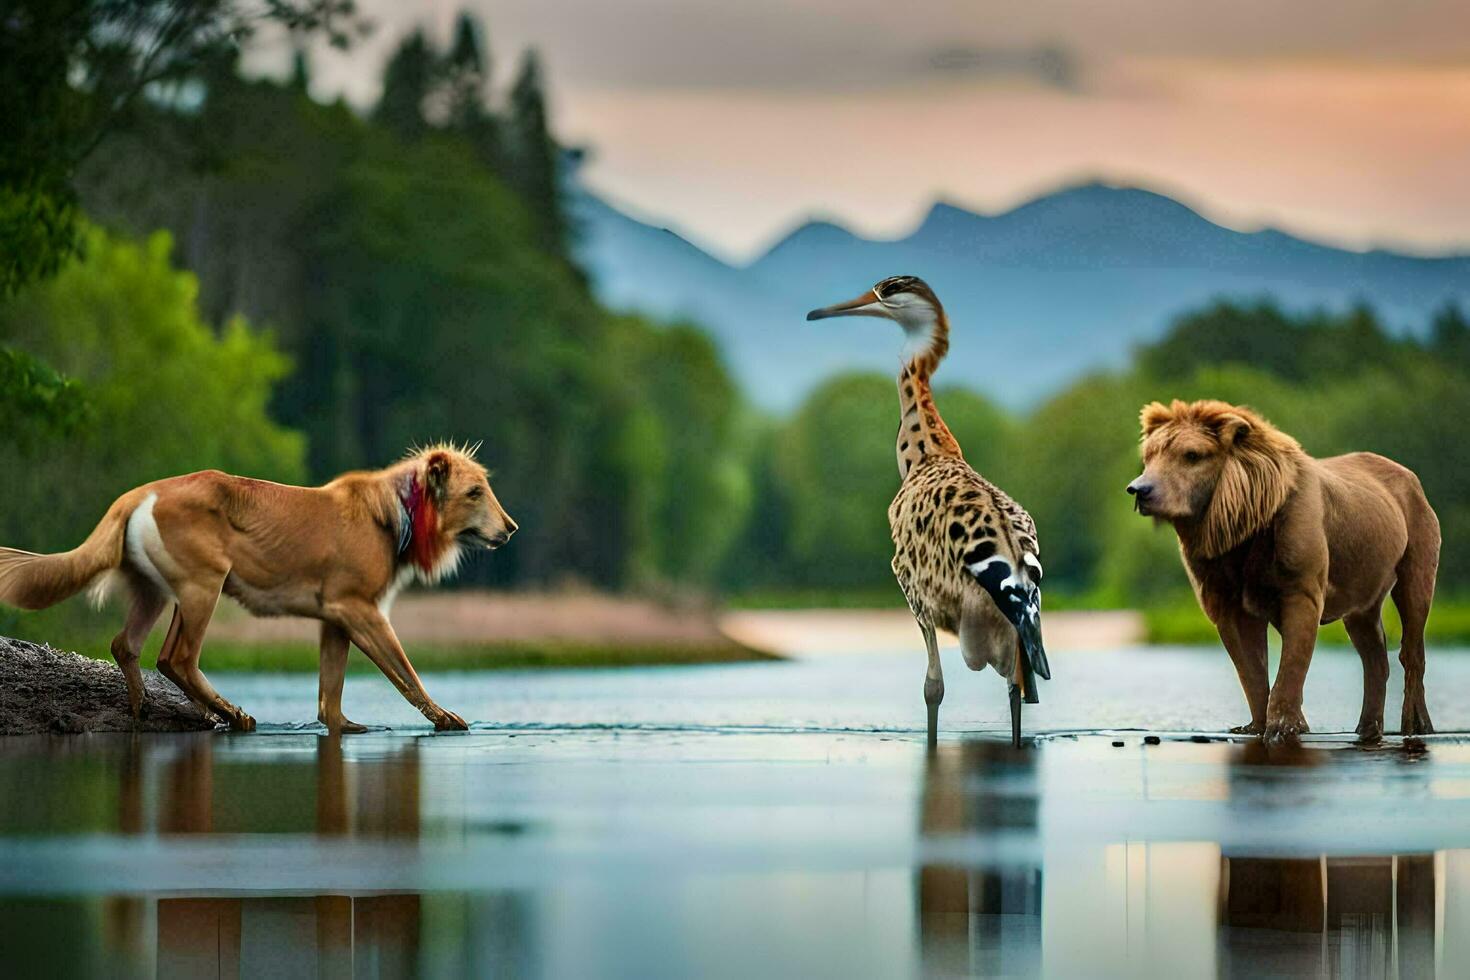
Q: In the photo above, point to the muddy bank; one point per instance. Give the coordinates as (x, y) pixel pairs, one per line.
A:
(46, 690)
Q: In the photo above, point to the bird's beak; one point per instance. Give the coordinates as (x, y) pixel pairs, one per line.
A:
(865, 305)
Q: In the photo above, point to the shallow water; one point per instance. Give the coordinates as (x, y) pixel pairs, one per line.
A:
(759, 819)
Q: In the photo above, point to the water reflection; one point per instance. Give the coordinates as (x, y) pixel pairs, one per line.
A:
(186, 786)
(1177, 909)
(574, 858)
(979, 921)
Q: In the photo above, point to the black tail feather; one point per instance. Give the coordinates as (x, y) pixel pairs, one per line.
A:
(1020, 602)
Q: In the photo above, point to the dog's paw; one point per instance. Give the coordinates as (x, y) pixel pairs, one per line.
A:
(1285, 724)
(448, 721)
(242, 722)
(341, 726)
(1370, 732)
(1249, 728)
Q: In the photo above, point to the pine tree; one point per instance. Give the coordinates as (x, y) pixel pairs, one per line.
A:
(468, 76)
(300, 71)
(534, 162)
(407, 82)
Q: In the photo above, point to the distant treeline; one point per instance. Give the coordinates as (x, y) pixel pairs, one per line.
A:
(286, 289)
(1338, 382)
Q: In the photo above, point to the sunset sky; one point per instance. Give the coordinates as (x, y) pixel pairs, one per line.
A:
(1346, 120)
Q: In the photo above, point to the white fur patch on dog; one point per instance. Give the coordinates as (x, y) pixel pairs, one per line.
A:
(144, 546)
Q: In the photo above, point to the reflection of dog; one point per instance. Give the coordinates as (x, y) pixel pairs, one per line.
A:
(1269, 534)
(336, 553)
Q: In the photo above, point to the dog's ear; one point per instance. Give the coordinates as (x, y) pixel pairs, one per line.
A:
(1154, 414)
(436, 476)
(1234, 429)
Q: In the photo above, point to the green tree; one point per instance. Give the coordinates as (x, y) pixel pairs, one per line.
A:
(534, 154)
(407, 82)
(73, 71)
(36, 403)
(168, 395)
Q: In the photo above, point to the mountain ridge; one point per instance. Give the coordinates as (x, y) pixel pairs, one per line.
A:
(1057, 286)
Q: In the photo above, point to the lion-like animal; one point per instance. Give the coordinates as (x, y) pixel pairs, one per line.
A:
(1269, 534)
(336, 553)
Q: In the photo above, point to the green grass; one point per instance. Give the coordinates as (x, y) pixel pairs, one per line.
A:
(1183, 622)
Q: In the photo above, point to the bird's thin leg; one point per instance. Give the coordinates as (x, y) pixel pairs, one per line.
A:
(933, 681)
(1015, 716)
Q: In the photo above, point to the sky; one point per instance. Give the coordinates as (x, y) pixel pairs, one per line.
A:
(732, 122)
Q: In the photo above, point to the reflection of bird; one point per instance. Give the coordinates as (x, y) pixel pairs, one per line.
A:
(965, 553)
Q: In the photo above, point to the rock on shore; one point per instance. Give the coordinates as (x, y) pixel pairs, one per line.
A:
(46, 690)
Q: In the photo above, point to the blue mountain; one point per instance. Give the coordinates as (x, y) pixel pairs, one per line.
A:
(1037, 295)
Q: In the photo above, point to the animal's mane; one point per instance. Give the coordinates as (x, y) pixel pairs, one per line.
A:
(464, 449)
(1262, 465)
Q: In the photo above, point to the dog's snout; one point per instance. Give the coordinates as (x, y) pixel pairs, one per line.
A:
(1140, 489)
(511, 527)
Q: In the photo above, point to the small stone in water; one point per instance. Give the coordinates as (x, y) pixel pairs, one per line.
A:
(1118, 744)
(1150, 740)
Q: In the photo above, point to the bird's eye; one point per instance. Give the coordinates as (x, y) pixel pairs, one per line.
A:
(1192, 457)
(475, 493)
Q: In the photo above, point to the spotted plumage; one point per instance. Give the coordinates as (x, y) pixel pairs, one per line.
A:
(966, 555)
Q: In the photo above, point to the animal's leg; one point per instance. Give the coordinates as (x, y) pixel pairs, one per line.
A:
(375, 637)
(333, 671)
(146, 606)
(1244, 637)
(933, 680)
(196, 607)
(168, 664)
(1300, 616)
(1412, 595)
(1365, 629)
(1015, 715)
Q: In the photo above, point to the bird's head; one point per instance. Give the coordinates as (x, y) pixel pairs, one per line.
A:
(907, 300)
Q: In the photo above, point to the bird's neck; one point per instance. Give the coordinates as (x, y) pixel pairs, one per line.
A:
(921, 430)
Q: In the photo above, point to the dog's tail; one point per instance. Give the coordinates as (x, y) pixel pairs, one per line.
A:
(33, 581)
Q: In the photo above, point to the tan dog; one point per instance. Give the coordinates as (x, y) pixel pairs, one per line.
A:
(1271, 535)
(336, 553)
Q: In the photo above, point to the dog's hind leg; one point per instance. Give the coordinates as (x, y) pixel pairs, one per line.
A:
(196, 607)
(1412, 596)
(1365, 629)
(146, 605)
(333, 669)
(167, 665)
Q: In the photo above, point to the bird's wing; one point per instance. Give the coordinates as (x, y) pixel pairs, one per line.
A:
(1002, 555)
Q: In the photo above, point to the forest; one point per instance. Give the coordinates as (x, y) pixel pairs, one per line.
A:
(250, 280)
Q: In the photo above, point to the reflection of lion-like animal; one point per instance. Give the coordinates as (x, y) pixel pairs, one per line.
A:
(1270, 535)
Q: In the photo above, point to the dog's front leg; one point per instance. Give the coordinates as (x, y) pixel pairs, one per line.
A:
(375, 637)
(333, 673)
(1300, 616)
(1244, 637)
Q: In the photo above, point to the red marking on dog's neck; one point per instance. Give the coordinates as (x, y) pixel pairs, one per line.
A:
(425, 546)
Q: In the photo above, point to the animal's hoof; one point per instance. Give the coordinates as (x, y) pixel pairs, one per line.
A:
(1370, 732)
(242, 723)
(341, 726)
(1416, 722)
(1250, 728)
(1285, 726)
(448, 721)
